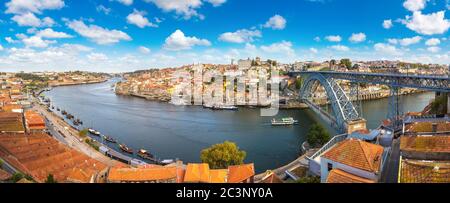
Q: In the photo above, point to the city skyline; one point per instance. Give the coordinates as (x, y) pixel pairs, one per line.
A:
(127, 35)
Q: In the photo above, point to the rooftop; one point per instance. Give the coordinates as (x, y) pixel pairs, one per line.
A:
(357, 154)
(197, 173)
(339, 176)
(419, 171)
(120, 174)
(237, 174)
(439, 144)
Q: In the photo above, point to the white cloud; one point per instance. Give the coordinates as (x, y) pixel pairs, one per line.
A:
(427, 24)
(340, 48)
(29, 19)
(240, 36)
(357, 37)
(125, 2)
(334, 38)
(36, 41)
(276, 22)
(178, 41)
(1, 48)
(387, 24)
(317, 39)
(313, 50)
(410, 41)
(51, 34)
(216, 3)
(97, 57)
(283, 47)
(103, 9)
(98, 34)
(138, 18)
(33, 6)
(10, 40)
(387, 49)
(433, 49)
(185, 8)
(144, 50)
(433, 42)
(415, 5)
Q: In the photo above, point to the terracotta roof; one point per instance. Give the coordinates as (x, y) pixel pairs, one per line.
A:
(34, 120)
(271, 177)
(356, 153)
(425, 143)
(197, 173)
(4, 175)
(417, 171)
(142, 174)
(218, 176)
(24, 180)
(80, 175)
(339, 176)
(237, 174)
(427, 127)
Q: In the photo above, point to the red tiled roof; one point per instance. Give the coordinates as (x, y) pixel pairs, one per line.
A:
(425, 143)
(417, 171)
(339, 176)
(356, 153)
(197, 173)
(237, 174)
(142, 174)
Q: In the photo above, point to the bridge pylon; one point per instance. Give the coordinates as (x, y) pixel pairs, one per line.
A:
(394, 110)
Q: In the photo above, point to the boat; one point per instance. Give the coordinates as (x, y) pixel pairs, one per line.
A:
(225, 107)
(58, 109)
(126, 149)
(64, 112)
(284, 121)
(94, 132)
(167, 161)
(109, 139)
(146, 155)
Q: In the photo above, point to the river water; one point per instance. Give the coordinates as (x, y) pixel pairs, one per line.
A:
(171, 132)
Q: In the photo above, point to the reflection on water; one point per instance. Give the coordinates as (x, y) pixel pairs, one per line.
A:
(183, 131)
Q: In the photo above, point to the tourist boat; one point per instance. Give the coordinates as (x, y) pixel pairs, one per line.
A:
(167, 161)
(109, 139)
(146, 155)
(94, 132)
(284, 121)
(125, 149)
(64, 112)
(225, 107)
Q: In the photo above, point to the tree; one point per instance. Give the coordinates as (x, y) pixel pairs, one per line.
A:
(298, 83)
(50, 179)
(1, 163)
(83, 132)
(347, 63)
(309, 179)
(16, 177)
(222, 155)
(317, 135)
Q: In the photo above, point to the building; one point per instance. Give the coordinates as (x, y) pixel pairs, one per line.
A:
(15, 108)
(11, 122)
(34, 122)
(241, 173)
(352, 158)
(424, 159)
(201, 173)
(156, 174)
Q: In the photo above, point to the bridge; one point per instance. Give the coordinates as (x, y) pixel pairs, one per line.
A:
(347, 115)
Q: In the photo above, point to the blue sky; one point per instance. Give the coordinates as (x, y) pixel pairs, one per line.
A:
(125, 35)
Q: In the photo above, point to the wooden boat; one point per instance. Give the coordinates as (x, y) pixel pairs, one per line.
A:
(126, 149)
(145, 154)
(109, 139)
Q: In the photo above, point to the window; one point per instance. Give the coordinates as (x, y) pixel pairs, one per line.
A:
(330, 166)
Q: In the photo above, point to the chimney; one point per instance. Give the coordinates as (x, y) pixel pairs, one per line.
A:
(435, 125)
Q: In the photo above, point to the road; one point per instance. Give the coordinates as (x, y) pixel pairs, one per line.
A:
(69, 136)
(390, 173)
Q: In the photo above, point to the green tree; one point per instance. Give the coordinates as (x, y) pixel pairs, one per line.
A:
(222, 155)
(1, 164)
(309, 179)
(50, 179)
(298, 83)
(16, 177)
(347, 63)
(317, 135)
(83, 132)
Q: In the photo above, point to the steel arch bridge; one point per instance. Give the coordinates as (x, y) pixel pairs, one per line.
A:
(343, 108)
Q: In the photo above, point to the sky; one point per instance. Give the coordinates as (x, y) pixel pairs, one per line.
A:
(128, 35)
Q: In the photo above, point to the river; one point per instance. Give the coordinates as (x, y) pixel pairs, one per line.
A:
(171, 132)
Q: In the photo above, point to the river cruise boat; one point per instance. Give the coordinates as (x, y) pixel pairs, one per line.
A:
(125, 149)
(94, 132)
(284, 121)
(146, 155)
(225, 107)
(109, 139)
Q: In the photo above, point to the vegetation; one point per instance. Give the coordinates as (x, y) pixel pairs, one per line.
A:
(83, 133)
(92, 144)
(309, 179)
(222, 155)
(317, 135)
(298, 83)
(50, 179)
(1, 164)
(439, 105)
(347, 63)
(16, 177)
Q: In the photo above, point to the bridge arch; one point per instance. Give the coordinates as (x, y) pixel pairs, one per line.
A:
(343, 109)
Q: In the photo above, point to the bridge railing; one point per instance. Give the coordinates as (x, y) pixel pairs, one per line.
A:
(336, 139)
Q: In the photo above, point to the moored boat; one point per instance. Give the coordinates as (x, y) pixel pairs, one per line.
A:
(126, 149)
(284, 121)
(109, 139)
(146, 155)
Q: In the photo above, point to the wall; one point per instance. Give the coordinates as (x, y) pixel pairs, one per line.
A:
(358, 172)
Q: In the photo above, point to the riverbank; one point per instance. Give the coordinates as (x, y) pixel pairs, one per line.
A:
(60, 84)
